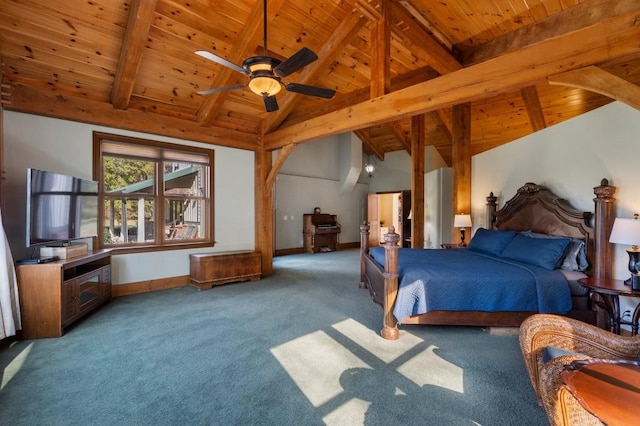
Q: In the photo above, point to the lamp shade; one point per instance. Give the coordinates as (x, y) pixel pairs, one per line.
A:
(626, 231)
(462, 221)
(264, 86)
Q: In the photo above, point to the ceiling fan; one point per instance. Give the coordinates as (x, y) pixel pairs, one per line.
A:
(265, 73)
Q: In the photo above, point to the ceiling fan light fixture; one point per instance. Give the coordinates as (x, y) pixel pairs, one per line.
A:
(264, 85)
(263, 81)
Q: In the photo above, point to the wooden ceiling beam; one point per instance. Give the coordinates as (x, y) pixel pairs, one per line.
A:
(440, 59)
(381, 53)
(340, 38)
(597, 80)
(277, 165)
(83, 110)
(508, 72)
(140, 19)
(446, 121)
(365, 137)
(368, 8)
(534, 109)
(587, 13)
(396, 126)
(431, 29)
(245, 46)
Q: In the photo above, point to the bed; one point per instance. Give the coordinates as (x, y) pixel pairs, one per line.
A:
(507, 273)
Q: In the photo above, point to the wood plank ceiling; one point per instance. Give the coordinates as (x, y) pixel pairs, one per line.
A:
(131, 64)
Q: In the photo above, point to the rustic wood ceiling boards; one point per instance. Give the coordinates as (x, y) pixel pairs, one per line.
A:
(131, 64)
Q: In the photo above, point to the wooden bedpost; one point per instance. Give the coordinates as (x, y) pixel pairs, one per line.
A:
(490, 210)
(364, 248)
(389, 322)
(604, 212)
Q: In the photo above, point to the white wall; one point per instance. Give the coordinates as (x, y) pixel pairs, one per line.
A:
(392, 174)
(66, 147)
(312, 176)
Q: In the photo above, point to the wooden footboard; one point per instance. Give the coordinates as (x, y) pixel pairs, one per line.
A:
(533, 208)
(382, 283)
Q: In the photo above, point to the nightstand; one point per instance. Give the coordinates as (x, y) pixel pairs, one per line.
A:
(605, 293)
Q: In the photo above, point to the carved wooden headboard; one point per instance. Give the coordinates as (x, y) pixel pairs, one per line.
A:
(535, 208)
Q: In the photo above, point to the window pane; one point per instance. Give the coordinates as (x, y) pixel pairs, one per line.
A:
(184, 219)
(185, 179)
(128, 176)
(138, 226)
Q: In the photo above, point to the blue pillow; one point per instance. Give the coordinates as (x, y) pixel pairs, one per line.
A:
(490, 242)
(543, 252)
(575, 258)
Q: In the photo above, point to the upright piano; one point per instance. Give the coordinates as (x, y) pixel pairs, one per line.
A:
(320, 232)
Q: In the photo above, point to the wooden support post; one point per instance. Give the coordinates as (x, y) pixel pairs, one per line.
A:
(264, 194)
(461, 155)
(418, 131)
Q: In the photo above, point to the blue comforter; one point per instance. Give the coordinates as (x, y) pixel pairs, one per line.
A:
(462, 280)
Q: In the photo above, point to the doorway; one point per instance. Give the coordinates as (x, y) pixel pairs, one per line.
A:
(386, 209)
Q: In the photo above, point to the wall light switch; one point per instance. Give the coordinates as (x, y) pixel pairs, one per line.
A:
(285, 218)
(291, 218)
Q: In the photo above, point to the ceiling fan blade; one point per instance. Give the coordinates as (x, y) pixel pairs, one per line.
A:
(300, 59)
(219, 60)
(303, 89)
(221, 89)
(270, 103)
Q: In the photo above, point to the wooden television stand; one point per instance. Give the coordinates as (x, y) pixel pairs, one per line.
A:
(54, 295)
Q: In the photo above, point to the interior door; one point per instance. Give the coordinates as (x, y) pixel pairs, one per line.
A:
(373, 218)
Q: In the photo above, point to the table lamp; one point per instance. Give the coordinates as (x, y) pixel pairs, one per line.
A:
(627, 231)
(462, 221)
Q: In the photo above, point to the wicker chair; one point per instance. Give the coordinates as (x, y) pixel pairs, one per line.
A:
(581, 341)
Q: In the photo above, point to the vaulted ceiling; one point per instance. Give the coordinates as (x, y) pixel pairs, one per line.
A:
(522, 64)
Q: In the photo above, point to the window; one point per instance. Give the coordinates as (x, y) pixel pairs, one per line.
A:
(153, 194)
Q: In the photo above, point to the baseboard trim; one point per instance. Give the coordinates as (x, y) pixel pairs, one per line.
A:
(284, 252)
(149, 285)
(300, 250)
(355, 244)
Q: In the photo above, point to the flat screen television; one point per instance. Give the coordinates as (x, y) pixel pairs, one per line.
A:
(60, 208)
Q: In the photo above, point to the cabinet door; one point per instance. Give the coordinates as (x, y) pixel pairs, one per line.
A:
(89, 290)
(69, 301)
(105, 283)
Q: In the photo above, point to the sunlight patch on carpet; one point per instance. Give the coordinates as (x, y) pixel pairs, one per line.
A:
(430, 369)
(316, 372)
(386, 350)
(14, 366)
(352, 412)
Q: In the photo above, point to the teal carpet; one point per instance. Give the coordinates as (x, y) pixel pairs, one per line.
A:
(300, 347)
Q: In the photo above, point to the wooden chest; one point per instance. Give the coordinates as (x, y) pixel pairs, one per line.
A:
(209, 269)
